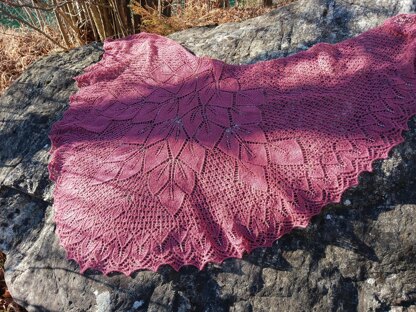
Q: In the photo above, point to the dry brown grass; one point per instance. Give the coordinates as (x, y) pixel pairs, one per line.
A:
(196, 13)
(18, 49)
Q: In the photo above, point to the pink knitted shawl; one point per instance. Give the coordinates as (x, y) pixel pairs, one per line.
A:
(164, 157)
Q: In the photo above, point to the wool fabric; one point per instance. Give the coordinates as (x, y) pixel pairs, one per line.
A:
(164, 157)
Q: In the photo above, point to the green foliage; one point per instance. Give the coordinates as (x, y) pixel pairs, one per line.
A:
(5, 21)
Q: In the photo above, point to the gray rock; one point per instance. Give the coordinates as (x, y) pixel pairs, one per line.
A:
(358, 255)
(290, 29)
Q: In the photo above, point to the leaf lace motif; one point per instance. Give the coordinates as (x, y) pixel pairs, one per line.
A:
(168, 158)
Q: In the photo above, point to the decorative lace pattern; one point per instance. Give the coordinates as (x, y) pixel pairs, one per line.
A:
(168, 158)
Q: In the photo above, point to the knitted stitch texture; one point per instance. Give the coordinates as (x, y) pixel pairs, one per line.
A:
(164, 157)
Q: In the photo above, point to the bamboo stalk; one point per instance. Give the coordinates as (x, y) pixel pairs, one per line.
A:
(68, 13)
(42, 16)
(111, 14)
(119, 18)
(82, 20)
(39, 17)
(68, 22)
(126, 13)
(61, 27)
(93, 26)
(104, 15)
(29, 15)
(97, 20)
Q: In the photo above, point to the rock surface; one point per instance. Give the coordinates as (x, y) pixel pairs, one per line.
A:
(358, 255)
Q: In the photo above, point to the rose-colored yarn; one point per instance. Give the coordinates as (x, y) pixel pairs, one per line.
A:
(164, 157)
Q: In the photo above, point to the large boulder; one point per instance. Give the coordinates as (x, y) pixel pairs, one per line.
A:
(357, 255)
